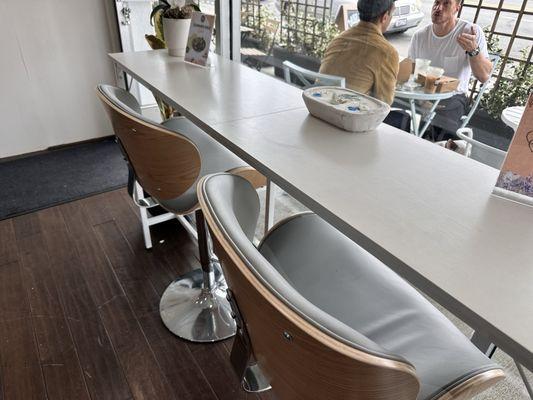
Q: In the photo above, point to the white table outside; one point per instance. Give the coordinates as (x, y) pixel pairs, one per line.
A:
(414, 95)
(383, 190)
(512, 116)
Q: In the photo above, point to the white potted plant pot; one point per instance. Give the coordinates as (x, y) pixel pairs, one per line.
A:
(176, 32)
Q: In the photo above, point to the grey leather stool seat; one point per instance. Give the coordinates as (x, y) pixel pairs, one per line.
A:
(308, 296)
(351, 285)
(167, 160)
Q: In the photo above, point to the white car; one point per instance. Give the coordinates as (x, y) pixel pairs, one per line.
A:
(408, 14)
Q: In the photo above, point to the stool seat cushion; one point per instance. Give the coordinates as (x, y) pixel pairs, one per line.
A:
(214, 156)
(342, 279)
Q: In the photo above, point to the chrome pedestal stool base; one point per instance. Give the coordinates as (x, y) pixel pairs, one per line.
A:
(254, 381)
(194, 307)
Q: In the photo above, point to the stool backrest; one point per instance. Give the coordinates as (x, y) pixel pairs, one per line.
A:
(305, 352)
(165, 163)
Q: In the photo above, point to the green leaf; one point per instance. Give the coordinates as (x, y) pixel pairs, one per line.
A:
(162, 7)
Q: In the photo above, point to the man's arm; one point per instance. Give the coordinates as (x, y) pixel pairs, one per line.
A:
(385, 78)
(480, 64)
(412, 52)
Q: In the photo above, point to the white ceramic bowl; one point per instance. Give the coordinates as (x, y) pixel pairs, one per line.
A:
(345, 108)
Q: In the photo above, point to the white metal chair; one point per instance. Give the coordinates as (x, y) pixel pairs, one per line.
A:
(308, 78)
(494, 58)
(480, 151)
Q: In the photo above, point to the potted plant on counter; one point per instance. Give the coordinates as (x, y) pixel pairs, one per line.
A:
(172, 22)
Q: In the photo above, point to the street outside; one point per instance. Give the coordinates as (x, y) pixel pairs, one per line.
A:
(506, 21)
(506, 24)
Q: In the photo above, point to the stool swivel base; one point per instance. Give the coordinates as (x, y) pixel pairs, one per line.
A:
(194, 306)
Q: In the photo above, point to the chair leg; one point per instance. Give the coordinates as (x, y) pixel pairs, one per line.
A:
(139, 192)
(146, 228)
(147, 219)
(194, 307)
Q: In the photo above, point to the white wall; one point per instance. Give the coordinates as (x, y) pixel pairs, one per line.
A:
(52, 55)
(132, 35)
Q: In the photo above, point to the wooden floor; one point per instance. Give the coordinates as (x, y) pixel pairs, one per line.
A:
(79, 317)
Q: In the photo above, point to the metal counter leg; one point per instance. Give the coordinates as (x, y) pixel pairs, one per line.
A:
(483, 343)
(270, 205)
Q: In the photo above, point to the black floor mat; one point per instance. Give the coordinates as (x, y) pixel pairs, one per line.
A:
(58, 176)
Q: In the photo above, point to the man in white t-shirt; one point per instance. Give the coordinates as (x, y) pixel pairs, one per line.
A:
(461, 49)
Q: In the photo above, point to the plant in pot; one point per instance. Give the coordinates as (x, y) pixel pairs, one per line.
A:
(157, 41)
(172, 22)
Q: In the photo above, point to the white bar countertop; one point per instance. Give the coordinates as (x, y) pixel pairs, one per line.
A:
(426, 212)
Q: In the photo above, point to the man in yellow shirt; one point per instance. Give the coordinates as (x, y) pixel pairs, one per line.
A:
(363, 56)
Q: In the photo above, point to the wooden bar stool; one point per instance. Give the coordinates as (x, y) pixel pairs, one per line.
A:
(320, 318)
(167, 161)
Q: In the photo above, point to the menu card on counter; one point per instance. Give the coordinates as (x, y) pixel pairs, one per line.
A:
(199, 40)
(516, 176)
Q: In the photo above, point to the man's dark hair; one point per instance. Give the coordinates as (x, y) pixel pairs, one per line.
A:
(372, 10)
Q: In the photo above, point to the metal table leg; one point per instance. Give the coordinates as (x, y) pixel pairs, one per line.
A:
(524, 379)
(484, 344)
(269, 204)
(430, 117)
(413, 116)
(416, 129)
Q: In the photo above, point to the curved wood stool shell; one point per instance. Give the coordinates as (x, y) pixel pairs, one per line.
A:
(167, 160)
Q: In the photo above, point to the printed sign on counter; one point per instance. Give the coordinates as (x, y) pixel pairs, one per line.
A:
(199, 40)
(516, 176)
